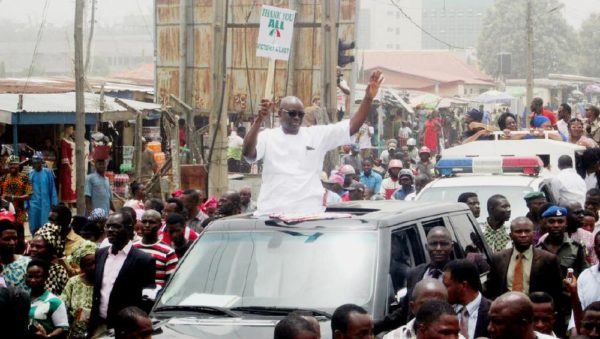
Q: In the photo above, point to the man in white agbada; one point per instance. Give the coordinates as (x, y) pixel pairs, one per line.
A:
(293, 155)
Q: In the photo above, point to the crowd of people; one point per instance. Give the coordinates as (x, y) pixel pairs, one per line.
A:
(534, 289)
(80, 275)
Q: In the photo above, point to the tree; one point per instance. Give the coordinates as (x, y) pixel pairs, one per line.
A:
(590, 40)
(505, 30)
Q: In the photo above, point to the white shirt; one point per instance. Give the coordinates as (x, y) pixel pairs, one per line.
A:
(473, 309)
(363, 136)
(332, 198)
(112, 267)
(590, 181)
(403, 332)
(539, 335)
(292, 165)
(588, 288)
(235, 141)
(407, 332)
(563, 127)
(569, 186)
(404, 132)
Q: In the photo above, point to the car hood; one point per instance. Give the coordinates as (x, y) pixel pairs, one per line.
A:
(230, 328)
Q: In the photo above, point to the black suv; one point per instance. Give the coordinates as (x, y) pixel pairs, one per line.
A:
(244, 274)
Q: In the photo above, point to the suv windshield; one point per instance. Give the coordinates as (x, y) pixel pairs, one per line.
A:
(279, 268)
(514, 194)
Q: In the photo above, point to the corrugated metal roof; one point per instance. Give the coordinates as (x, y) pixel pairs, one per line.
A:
(439, 66)
(65, 103)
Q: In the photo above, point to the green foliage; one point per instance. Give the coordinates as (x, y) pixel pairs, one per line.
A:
(505, 30)
(590, 40)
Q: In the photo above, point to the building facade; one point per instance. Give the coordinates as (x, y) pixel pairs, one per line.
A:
(382, 26)
(456, 22)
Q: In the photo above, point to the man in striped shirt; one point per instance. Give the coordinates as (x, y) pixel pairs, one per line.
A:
(174, 205)
(166, 259)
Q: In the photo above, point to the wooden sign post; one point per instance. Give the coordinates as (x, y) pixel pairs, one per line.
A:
(274, 40)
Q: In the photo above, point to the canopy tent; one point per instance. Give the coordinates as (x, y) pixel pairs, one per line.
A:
(387, 95)
(426, 101)
(592, 88)
(494, 97)
(454, 101)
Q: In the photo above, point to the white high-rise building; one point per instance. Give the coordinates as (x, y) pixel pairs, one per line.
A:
(382, 26)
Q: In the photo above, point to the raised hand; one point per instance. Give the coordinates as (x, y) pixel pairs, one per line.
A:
(374, 82)
(266, 106)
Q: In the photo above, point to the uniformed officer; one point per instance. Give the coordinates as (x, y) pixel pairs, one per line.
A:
(570, 254)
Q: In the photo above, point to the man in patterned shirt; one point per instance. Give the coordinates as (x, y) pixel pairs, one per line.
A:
(16, 188)
(164, 255)
(495, 232)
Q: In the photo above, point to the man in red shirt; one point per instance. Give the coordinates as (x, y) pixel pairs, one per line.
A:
(174, 205)
(164, 255)
(537, 108)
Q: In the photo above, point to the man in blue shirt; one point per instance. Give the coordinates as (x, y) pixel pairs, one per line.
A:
(43, 194)
(97, 189)
(369, 178)
(406, 179)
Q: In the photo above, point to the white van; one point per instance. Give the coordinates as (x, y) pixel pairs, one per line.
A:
(547, 149)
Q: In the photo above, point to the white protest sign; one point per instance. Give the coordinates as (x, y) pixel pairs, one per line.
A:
(275, 33)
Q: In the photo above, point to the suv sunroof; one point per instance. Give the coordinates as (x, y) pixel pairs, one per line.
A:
(352, 210)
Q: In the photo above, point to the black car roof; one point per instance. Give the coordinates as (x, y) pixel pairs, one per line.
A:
(365, 215)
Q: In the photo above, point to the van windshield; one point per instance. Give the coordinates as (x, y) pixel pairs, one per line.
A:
(279, 268)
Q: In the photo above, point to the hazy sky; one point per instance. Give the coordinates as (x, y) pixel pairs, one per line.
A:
(62, 12)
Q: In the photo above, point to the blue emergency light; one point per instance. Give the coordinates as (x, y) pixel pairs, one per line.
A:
(489, 165)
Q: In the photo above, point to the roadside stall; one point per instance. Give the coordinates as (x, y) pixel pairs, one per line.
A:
(27, 120)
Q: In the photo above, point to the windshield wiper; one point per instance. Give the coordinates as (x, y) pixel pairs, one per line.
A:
(280, 310)
(198, 309)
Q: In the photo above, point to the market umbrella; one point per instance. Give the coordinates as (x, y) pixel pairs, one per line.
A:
(494, 97)
(592, 89)
(427, 101)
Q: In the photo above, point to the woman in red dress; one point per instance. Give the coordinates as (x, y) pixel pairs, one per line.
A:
(431, 134)
(67, 166)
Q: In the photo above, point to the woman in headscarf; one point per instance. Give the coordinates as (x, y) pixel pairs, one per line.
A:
(542, 124)
(45, 249)
(47, 313)
(93, 230)
(431, 132)
(79, 291)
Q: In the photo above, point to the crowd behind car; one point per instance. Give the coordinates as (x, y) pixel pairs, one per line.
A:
(81, 276)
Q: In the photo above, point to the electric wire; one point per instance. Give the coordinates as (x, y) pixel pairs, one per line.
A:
(37, 44)
(451, 46)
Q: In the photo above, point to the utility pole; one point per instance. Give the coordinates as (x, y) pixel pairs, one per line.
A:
(329, 42)
(529, 55)
(79, 108)
(184, 96)
(217, 182)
